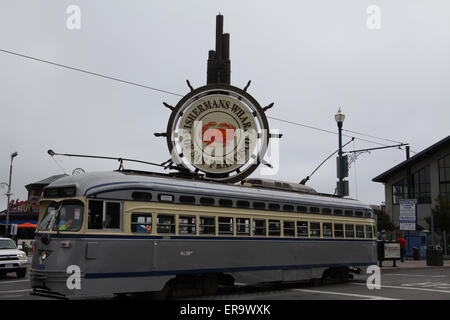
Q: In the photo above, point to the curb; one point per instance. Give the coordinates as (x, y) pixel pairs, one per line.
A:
(408, 268)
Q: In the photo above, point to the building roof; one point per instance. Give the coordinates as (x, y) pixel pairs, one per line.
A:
(384, 177)
(44, 183)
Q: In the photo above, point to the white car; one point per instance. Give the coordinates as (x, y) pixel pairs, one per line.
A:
(12, 259)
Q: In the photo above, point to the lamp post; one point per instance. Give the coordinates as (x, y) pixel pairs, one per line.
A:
(339, 116)
(14, 154)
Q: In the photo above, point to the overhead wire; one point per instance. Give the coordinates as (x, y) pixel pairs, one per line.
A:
(180, 95)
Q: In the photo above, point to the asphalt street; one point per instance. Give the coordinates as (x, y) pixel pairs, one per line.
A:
(396, 284)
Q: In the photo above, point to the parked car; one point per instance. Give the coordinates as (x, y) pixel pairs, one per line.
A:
(12, 259)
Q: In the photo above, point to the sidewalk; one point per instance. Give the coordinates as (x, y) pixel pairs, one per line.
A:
(411, 264)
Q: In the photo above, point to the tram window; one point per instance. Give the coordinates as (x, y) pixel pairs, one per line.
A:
(259, 205)
(49, 216)
(314, 210)
(348, 213)
(243, 226)
(165, 223)
(141, 222)
(225, 225)
(112, 215)
(274, 206)
(288, 207)
(141, 196)
(338, 212)
(225, 203)
(327, 229)
(326, 210)
(274, 228)
(314, 229)
(358, 214)
(70, 216)
(95, 214)
(369, 234)
(207, 201)
(367, 214)
(289, 228)
(186, 224)
(338, 230)
(349, 230)
(207, 225)
(187, 199)
(259, 227)
(302, 228)
(302, 209)
(359, 231)
(242, 204)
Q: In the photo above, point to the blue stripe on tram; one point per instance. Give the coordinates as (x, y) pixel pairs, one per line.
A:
(191, 271)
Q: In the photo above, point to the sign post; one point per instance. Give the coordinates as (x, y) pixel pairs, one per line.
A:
(408, 217)
(218, 131)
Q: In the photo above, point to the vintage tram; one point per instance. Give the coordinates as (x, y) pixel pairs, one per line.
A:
(134, 232)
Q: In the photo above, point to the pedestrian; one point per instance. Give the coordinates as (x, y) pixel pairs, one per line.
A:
(24, 247)
(402, 248)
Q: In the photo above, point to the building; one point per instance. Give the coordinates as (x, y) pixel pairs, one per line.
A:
(25, 213)
(424, 177)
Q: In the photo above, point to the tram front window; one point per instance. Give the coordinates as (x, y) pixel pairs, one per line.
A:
(69, 216)
(49, 217)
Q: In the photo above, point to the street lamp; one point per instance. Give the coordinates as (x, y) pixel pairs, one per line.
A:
(13, 155)
(339, 116)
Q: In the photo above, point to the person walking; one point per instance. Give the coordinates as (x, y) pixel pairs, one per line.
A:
(402, 248)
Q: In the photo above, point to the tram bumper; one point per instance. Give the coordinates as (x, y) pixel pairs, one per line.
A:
(54, 284)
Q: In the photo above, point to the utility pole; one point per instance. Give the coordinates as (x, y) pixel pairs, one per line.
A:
(339, 117)
(8, 194)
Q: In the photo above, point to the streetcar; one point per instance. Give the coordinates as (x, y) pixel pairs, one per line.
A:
(132, 232)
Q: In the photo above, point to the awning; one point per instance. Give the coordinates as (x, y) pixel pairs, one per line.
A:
(27, 225)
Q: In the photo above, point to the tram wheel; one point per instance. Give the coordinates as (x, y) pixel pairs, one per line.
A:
(335, 275)
(209, 284)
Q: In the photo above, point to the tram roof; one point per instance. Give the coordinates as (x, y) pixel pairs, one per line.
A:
(95, 183)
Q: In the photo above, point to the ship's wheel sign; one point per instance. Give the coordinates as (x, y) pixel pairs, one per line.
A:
(218, 130)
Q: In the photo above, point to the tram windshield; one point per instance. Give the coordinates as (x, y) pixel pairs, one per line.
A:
(63, 216)
(69, 217)
(49, 216)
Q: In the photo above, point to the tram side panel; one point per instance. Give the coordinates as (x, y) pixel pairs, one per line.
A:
(107, 266)
(261, 260)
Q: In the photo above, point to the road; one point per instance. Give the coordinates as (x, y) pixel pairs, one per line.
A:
(401, 284)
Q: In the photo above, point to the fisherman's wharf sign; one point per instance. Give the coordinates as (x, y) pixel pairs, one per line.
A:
(220, 131)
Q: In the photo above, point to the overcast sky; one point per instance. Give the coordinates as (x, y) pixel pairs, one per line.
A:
(308, 57)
